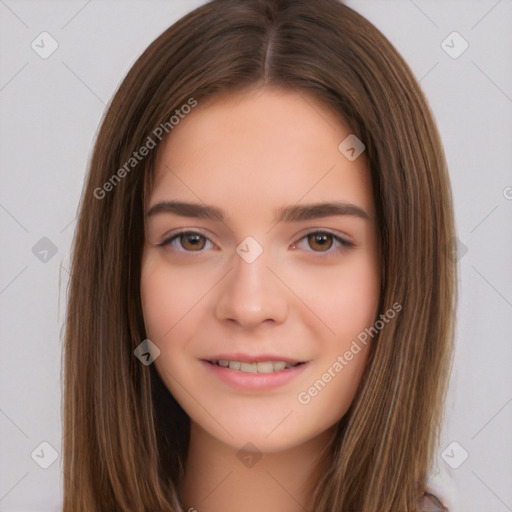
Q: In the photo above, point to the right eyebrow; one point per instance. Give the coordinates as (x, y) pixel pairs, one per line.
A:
(185, 209)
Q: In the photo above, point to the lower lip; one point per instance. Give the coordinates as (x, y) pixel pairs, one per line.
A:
(254, 381)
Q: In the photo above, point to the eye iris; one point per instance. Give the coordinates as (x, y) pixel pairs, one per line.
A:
(196, 241)
(321, 240)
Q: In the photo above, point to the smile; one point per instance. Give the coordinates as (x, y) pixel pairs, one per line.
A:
(255, 367)
(254, 376)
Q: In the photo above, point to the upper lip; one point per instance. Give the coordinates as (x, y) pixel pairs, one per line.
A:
(247, 358)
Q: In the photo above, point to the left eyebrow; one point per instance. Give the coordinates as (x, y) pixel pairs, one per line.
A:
(295, 213)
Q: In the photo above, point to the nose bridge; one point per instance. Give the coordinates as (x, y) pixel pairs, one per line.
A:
(251, 293)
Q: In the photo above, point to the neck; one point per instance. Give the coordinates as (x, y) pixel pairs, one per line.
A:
(219, 477)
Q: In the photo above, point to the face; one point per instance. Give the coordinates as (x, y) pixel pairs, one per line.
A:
(241, 265)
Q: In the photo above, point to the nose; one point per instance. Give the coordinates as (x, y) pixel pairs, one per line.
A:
(252, 295)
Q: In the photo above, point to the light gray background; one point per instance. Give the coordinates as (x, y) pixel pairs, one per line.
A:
(50, 111)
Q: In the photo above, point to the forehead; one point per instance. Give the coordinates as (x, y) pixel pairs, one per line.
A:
(263, 145)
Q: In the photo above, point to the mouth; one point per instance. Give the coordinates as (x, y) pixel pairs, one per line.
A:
(255, 366)
(264, 375)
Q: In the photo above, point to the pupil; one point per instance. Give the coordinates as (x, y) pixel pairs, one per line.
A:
(322, 241)
(193, 241)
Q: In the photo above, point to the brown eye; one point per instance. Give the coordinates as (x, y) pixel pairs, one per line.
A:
(320, 241)
(188, 241)
(192, 241)
(323, 244)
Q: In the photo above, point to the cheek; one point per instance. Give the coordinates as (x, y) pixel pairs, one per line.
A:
(344, 299)
(355, 300)
(157, 303)
(166, 296)
(349, 306)
(167, 308)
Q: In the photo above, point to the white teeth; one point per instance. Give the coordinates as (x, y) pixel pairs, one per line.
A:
(249, 367)
(259, 367)
(265, 367)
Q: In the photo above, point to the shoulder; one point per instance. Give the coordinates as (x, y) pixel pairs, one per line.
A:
(429, 502)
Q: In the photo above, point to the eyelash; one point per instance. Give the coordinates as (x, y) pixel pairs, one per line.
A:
(331, 252)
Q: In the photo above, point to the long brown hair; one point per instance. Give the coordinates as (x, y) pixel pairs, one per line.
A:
(125, 438)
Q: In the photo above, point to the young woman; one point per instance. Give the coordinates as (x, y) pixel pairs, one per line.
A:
(262, 299)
